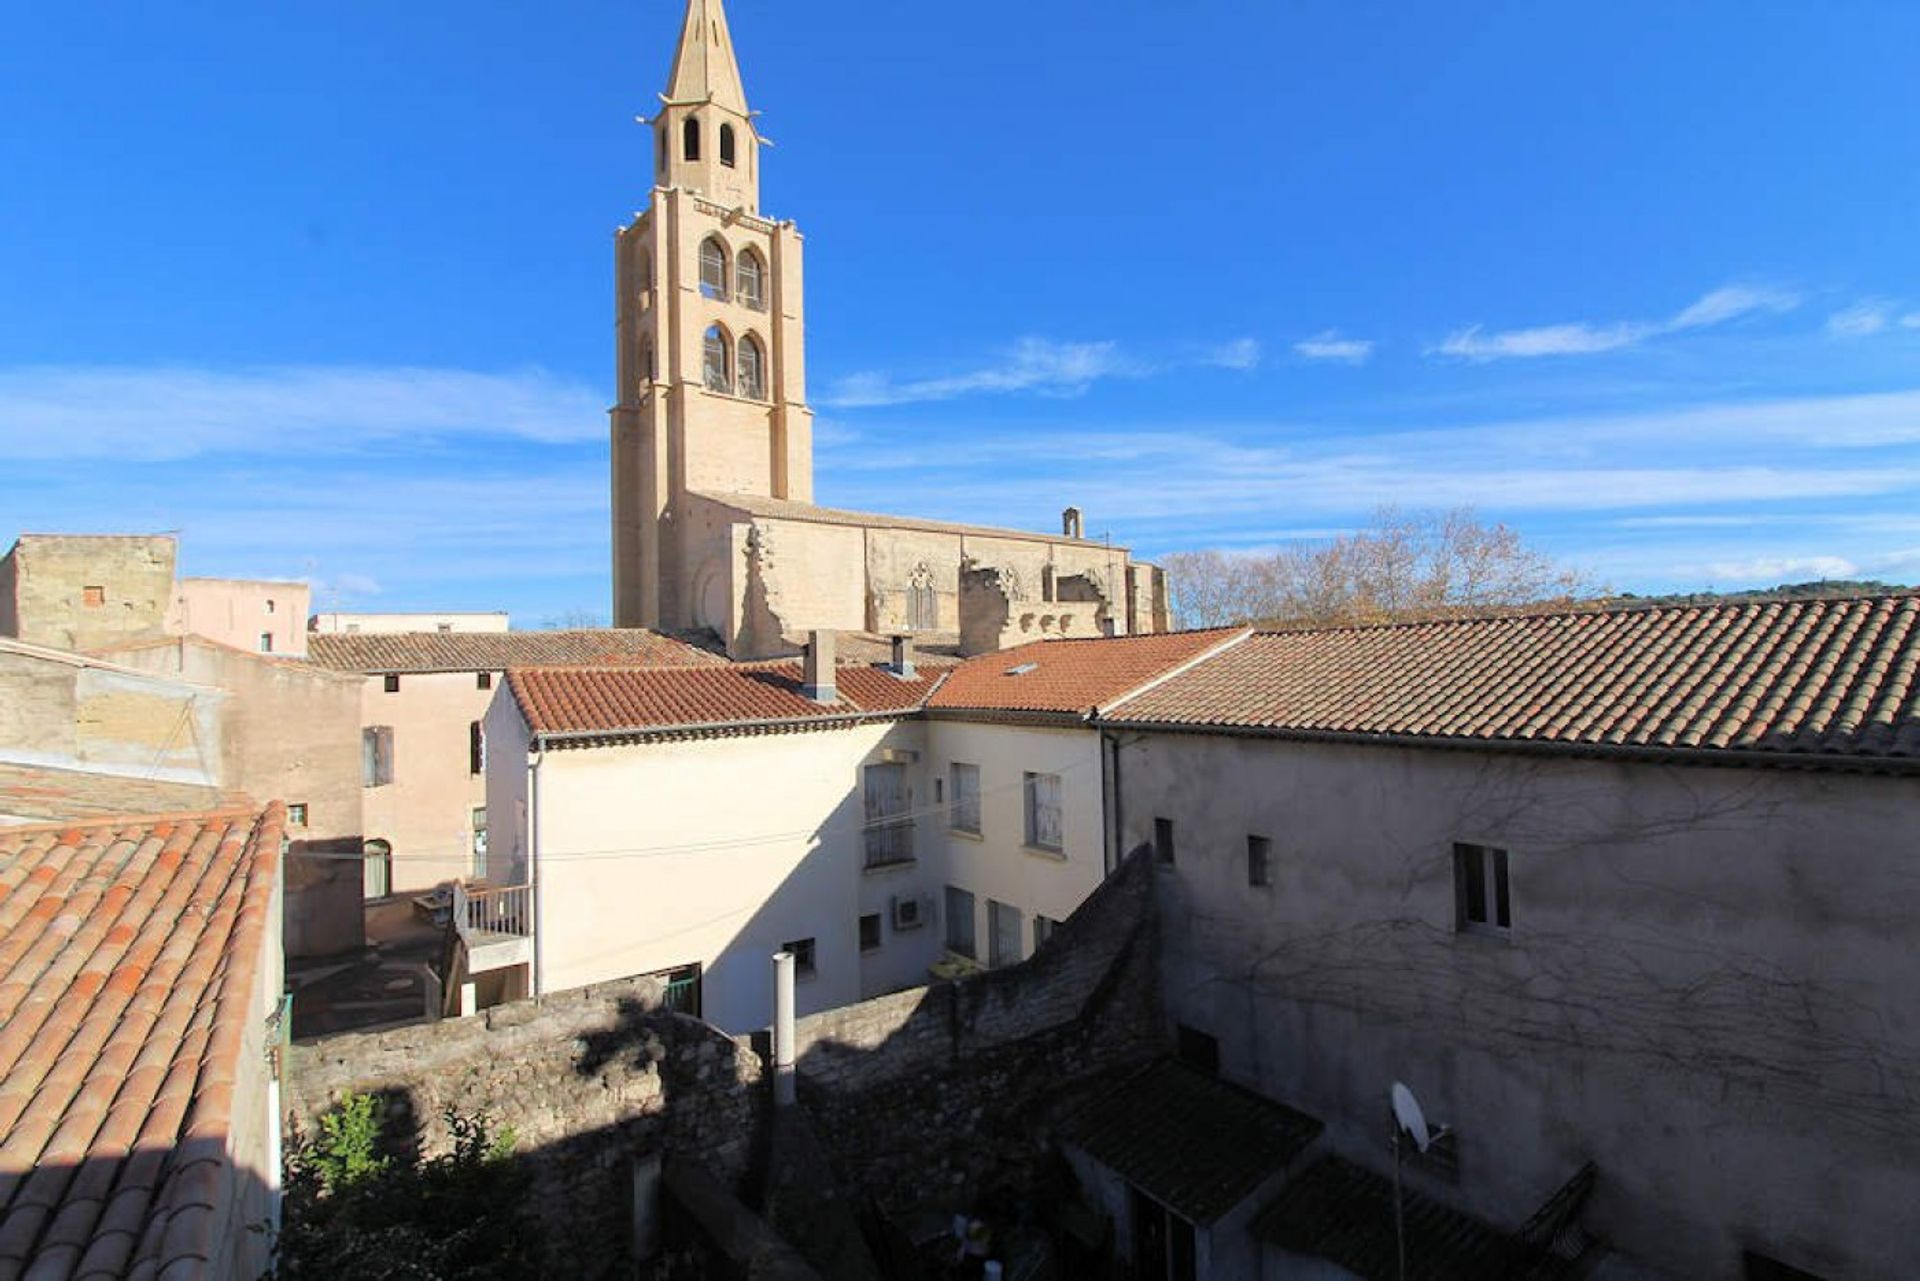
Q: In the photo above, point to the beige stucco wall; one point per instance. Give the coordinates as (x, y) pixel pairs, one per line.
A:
(998, 864)
(67, 712)
(1709, 988)
(239, 612)
(712, 851)
(427, 811)
(253, 1143)
(51, 572)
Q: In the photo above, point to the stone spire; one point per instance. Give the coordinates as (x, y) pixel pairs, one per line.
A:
(704, 68)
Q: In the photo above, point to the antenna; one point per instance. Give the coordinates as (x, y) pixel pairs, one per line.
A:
(1407, 1111)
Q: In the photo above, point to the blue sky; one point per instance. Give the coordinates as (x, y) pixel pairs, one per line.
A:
(326, 287)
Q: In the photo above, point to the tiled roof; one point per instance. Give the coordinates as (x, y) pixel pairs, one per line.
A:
(574, 700)
(1335, 1210)
(1837, 678)
(40, 794)
(1074, 675)
(1194, 1143)
(497, 651)
(787, 509)
(129, 953)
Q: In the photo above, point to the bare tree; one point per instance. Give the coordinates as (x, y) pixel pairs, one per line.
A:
(1405, 565)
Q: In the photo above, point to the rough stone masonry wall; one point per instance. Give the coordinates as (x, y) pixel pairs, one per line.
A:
(586, 1080)
(942, 1093)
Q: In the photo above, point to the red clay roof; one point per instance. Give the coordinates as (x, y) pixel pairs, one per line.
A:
(572, 700)
(497, 651)
(129, 952)
(1073, 676)
(1838, 677)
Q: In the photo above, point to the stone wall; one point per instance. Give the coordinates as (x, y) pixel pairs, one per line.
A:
(587, 1081)
(51, 578)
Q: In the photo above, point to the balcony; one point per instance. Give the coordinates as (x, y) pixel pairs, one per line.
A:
(889, 843)
(495, 925)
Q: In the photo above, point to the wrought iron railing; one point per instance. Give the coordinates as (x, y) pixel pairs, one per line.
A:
(889, 841)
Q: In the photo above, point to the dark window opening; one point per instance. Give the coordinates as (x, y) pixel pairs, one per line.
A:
(1197, 1049)
(802, 952)
(393, 683)
(1759, 1267)
(1163, 840)
(483, 680)
(1259, 867)
(1481, 888)
(726, 145)
(960, 923)
(476, 748)
(690, 139)
(870, 932)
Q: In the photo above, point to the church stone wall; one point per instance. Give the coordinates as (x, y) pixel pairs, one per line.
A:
(897, 561)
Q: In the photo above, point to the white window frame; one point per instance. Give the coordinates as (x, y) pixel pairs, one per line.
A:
(965, 803)
(1042, 798)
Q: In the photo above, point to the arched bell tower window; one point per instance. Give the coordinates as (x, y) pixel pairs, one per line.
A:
(660, 150)
(690, 139)
(717, 360)
(713, 269)
(753, 280)
(753, 368)
(726, 145)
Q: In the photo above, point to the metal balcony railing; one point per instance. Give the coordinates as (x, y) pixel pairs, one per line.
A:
(479, 912)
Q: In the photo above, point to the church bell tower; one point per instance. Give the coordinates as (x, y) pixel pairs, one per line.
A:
(709, 332)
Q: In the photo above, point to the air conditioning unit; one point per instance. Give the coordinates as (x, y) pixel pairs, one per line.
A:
(910, 912)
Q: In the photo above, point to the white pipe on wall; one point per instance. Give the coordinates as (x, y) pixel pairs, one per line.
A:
(783, 1083)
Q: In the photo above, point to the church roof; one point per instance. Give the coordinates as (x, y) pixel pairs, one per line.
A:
(497, 651)
(703, 65)
(1832, 682)
(787, 509)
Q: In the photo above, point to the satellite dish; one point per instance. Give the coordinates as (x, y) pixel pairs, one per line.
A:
(1406, 1110)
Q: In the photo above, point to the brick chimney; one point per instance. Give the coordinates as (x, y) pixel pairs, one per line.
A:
(902, 665)
(817, 681)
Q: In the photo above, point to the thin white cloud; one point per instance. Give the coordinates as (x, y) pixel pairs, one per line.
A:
(152, 414)
(1040, 366)
(1911, 320)
(1329, 345)
(1583, 338)
(1780, 569)
(1241, 353)
(1865, 318)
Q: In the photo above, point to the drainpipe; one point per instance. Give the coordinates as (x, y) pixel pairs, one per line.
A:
(1110, 781)
(533, 866)
(783, 1091)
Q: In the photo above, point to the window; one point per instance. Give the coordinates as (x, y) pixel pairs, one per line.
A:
(889, 836)
(870, 932)
(476, 748)
(802, 951)
(93, 597)
(445, 629)
(646, 360)
(376, 756)
(1480, 888)
(479, 868)
(1042, 931)
(680, 989)
(964, 815)
(690, 139)
(483, 680)
(269, 604)
(753, 281)
(1259, 870)
(1163, 840)
(1197, 1049)
(753, 369)
(297, 814)
(1003, 934)
(923, 608)
(266, 642)
(726, 145)
(1043, 811)
(713, 270)
(393, 683)
(660, 150)
(376, 869)
(960, 922)
(717, 363)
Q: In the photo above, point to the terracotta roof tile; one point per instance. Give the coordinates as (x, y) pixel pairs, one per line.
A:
(576, 700)
(1838, 678)
(1074, 676)
(129, 952)
(40, 794)
(497, 651)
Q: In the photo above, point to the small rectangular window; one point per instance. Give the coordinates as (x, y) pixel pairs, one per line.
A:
(269, 605)
(297, 814)
(1259, 872)
(1003, 934)
(1480, 889)
(393, 682)
(266, 642)
(479, 866)
(476, 748)
(444, 628)
(1042, 931)
(483, 680)
(1043, 811)
(964, 816)
(960, 937)
(870, 932)
(376, 756)
(1163, 840)
(802, 951)
(93, 597)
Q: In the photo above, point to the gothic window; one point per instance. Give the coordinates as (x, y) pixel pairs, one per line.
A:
(753, 281)
(718, 361)
(690, 139)
(713, 270)
(923, 603)
(753, 368)
(726, 145)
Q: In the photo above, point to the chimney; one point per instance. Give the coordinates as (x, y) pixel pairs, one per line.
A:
(903, 658)
(1070, 523)
(817, 682)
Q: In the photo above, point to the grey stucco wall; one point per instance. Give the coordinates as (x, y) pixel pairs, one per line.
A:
(1709, 988)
